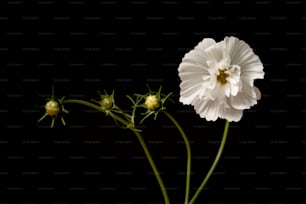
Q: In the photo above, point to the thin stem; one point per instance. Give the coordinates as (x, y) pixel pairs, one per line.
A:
(82, 102)
(188, 149)
(139, 137)
(149, 157)
(212, 168)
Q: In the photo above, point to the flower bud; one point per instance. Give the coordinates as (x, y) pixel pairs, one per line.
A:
(152, 102)
(106, 102)
(52, 108)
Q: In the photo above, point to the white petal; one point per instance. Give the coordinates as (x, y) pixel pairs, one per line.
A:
(242, 55)
(246, 98)
(248, 75)
(242, 101)
(227, 89)
(218, 92)
(216, 52)
(207, 109)
(190, 100)
(234, 89)
(190, 69)
(205, 43)
(234, 80)
(238, 50)
(258, 93)
(195, 57)
(212, 110)
(192, 77)
(207, 87)
(198, 54)
(230, 114)
(252, 91)
(252, 69)
(188, 83)
(251, 62)
(189, 91)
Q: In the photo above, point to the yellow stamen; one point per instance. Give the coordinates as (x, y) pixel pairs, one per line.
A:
(221, 77)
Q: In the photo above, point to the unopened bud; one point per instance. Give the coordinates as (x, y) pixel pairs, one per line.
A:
(106, 102)
(52, 108)
(152, 102)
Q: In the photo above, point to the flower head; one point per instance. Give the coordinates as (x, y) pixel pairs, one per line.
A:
(107, 101)
(152, 102)
(217, 78)
(54, 108)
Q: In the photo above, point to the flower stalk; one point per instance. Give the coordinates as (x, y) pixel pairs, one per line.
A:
(213, 166)
(188, 153)
(130, 126)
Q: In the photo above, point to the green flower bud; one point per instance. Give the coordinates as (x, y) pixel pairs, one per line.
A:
(152, 102)
(106, 102)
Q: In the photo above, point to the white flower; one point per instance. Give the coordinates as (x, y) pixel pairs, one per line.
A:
(218, 78)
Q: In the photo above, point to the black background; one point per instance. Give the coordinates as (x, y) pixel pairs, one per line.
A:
(82, 47)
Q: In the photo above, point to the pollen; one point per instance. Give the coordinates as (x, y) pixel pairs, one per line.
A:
(222, 77)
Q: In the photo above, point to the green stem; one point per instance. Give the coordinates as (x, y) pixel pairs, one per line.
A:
(139, 137)
(212, 168)
(85, 103)
(149, 157)
(188, 149)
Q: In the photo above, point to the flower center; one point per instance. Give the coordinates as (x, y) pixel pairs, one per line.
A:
(221, 77)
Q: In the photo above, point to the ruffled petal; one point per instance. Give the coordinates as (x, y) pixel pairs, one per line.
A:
(198, 54)
(230, 114)
(189, 70)
(196, 58)
(250, 73)
(258, 93)
(204, 44)
(207, 109)
(252, 69)
(212, 110)
(238, 50)
(190, 91)
(216, 52)
(242, 55)
(246, 98)
(192, 75)
(218, 92)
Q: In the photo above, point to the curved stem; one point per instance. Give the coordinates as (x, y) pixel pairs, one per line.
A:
(82, 102)
(149, 157)
(188, 149)
(212, 168)
(139, 137)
